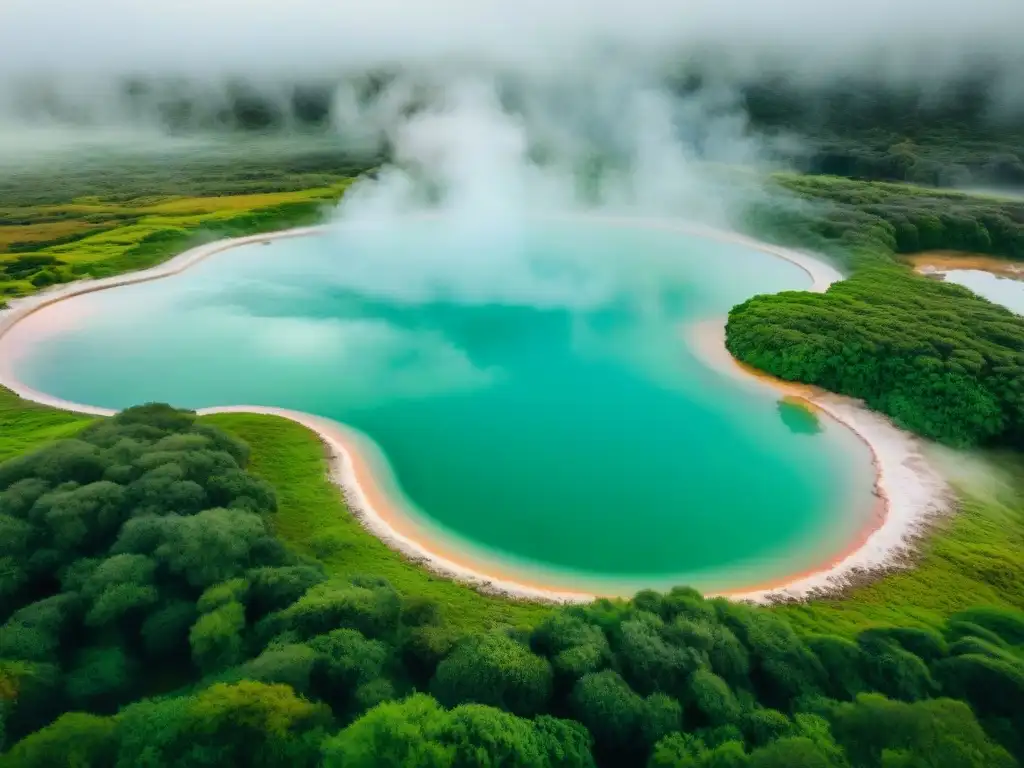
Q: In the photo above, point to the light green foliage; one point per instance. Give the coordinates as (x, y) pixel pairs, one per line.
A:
(371, 608)
(574, 646)
(649, 662)
(75, 740)
(25, 426)
(216, 637)
(418, 732)
(211, 546)
(247, 723)
(680, 750)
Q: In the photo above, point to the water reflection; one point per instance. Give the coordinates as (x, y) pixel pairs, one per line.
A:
(799, 416)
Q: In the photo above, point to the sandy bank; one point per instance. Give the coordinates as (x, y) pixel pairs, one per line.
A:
(910, 493)
(939, 262)
(913, 492)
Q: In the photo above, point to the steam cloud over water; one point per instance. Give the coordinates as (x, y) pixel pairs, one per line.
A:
(490, 108)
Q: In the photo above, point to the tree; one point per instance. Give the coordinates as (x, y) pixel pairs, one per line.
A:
(216, 637)
(792, 752)
(101, 678)
(247, 723)
(165, 632)
(893, 671)
(416, 731)
(685, 750)
(763, 726)
(992, 686)
(649, 662)
(661, 716)
(713, 699)
(843, 662)
(75, 740)
(273, 589)
(609, 709)
(212, 546)
(373, 609)
(291, 664)
(939, 733)
(574, 646)
(118, 586)
(494, 669)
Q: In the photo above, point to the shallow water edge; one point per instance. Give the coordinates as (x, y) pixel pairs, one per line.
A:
(910, 491)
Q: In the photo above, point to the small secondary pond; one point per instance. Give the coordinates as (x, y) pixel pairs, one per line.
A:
(535, 396)
(1002, 290)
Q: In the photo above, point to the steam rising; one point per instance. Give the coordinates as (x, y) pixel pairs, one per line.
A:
(490, 111)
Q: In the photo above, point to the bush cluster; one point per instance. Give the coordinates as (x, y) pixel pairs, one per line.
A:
(150, 617)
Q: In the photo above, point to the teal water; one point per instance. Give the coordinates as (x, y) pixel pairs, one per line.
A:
(996, 288)
(535, 397)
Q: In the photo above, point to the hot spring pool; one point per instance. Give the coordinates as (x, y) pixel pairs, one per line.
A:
(535, 400)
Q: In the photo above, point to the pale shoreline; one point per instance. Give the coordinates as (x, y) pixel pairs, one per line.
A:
(938, 263)
(911, 492)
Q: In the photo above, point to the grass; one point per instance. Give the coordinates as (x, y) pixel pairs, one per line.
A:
(312, 518)
(141, 232)
(25, 426)
(974, 559)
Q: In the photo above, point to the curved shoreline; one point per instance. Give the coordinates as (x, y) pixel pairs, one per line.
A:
(910, 493)
(880, 547)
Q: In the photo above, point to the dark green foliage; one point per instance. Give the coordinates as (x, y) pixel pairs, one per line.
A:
(843, 662)
(150, 594)
(109, 540)
(925, 643)
(993, 686)
(893, 671)
(610, 710)
(496, 670)
(941, 732)
(936, 358)
(1006, 624)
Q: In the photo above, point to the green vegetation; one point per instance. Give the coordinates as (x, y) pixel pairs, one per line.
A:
(151, 616)
(119, 237)
(936, 358)
(194, 592)
(312, 519)
(25, 426)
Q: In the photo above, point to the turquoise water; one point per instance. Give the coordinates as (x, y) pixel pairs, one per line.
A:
(534, 392)
(1001, 290)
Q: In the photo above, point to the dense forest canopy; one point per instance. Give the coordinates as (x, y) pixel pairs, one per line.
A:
(151, 617)
(939, 359)
(934, 356)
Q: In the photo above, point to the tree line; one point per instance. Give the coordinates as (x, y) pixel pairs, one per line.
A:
(150, 617)
(937, 358)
